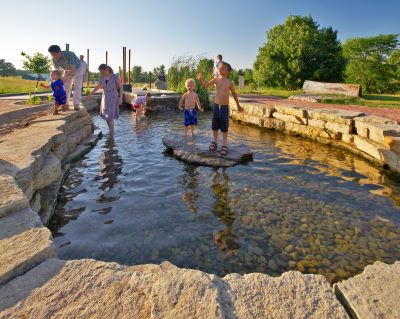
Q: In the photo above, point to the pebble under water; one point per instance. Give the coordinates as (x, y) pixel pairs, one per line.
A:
(299, 205)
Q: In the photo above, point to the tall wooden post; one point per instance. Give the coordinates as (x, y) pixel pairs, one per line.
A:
(129, 67)
(87, 71)
(67, 46)
(106, 57)
(150, 79)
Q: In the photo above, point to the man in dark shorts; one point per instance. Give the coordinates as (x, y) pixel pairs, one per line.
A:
(220, 119)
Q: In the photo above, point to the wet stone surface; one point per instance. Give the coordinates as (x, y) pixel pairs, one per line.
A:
(298, 205)
(195, 150)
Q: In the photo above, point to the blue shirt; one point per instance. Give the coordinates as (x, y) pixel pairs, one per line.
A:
(67, 61)
(58, 88)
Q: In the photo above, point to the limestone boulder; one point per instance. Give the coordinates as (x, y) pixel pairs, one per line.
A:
(274, 124)
(369, 147)
(334, 115)
(295, 110)
(12, 199)
(195, 150)
(316, 123)
(247, 118)
(49, 173)
(160, 85)
(373, 294)
(290, 118)
(339, 128)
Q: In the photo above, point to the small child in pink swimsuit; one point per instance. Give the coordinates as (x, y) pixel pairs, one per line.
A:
(139, 105)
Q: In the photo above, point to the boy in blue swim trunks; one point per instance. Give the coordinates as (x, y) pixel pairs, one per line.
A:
(220, 119)
(59, 93)
(190, 99)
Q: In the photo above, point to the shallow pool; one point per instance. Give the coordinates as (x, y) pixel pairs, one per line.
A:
(298, 205)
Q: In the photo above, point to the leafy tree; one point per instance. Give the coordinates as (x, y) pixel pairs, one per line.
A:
(6, 68)
(137, 74)
(297, 51)
(205, 66)
(159, 70)
(37, 63)
(369, 63)
(394, 62)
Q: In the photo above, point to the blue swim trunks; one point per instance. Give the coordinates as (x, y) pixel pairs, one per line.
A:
(190, 117)
(220, 120)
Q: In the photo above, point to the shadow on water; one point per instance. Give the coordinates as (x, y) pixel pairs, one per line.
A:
(298, 206)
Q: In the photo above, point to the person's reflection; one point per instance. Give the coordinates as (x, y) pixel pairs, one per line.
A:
(110, 165)
(224, 239)
(190, 182)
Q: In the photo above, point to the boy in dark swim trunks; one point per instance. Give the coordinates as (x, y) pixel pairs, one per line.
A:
(220, 119)
(190, 99)
(59, 93)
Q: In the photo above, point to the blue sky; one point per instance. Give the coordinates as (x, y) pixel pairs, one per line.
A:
(158, 30)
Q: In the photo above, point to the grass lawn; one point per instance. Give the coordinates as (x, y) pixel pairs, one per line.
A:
(268, 91)
(371, 100)
(18, 85)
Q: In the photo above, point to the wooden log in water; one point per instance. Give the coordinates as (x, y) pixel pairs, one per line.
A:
(353, 90)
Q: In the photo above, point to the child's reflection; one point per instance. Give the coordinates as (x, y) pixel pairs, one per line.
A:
(190, 181)
(224, 238)
(110, 165)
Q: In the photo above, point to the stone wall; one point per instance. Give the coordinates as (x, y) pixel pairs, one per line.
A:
(375, 138)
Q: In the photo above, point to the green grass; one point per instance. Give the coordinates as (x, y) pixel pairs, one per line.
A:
(18, 85)
(268, 91)
(370, 100)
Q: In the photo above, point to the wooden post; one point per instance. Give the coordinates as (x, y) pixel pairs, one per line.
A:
(150, 80)
(87, 61)
(123, 64)
(129, 67)
(67, 46)
(106, 57)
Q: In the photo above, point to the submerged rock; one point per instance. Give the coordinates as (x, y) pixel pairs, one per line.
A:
(194, 150)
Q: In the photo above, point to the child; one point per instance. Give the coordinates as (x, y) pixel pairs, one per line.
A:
(190, 99)
(59, 94)
(139, 105)
(220, 119)
(112, 95)
(216, 65)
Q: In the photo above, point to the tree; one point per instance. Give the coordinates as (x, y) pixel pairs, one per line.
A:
(394, 62)
(6, 68)
(368, 62)
(159, 70)
(137, 74)
(205, 66)
(37, 63)
(297, 51)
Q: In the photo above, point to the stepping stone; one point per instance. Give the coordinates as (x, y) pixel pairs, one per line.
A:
(194, 150)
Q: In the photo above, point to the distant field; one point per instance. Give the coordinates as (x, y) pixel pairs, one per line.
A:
(18, 85)
(268, 91)
(371, 100)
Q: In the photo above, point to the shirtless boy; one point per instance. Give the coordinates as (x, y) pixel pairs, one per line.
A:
(220, 119)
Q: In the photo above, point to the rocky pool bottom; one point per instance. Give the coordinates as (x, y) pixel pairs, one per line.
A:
(298, 205)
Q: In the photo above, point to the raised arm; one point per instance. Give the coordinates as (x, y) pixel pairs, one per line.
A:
(232, 88)
(203, 83)
(45, 86)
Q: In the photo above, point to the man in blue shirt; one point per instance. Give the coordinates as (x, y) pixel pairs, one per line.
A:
(73, 72)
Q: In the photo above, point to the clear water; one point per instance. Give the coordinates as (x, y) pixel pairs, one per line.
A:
(299, 205)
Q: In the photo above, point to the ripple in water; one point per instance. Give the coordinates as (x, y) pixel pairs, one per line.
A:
(298, 206)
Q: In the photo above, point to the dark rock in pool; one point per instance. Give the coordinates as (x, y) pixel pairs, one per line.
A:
(194, 150)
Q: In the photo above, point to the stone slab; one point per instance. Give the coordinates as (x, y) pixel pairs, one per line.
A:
(339, 128)
(194, 150)
(369, 147)
(353, 90)
(246, 117)
(290, 118)
(373, 294)
(95, 289)
(257, 109)
(12, 198)
(334, 115)
(295, 110)
(23, 251)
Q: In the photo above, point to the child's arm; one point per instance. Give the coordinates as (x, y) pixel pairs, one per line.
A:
(232, 88)
(205, 84)
(99, 86)
(198, 103)
(45, 86)
(181, 101)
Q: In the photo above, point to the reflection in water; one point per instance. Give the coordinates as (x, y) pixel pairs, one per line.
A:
(224, 239)
(110, 166)
(298, 206)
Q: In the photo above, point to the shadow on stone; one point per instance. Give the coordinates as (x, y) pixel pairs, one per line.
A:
(194, 150)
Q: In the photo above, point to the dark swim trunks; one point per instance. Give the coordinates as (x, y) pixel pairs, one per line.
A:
(220, 120)
(190, 117)
(59, 94)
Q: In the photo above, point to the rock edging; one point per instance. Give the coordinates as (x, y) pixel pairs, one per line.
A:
(375, 138)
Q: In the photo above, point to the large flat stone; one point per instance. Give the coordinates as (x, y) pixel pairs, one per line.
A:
(292, 295)
(290, 118)
(332, 88)
(334, 115)
(257, 109)
(369, 147)
(247, 118)
(295, 110)
(194, 150)
(339, 128)
(23, 251)
(12, 198)
(373, 294)
(94, 289)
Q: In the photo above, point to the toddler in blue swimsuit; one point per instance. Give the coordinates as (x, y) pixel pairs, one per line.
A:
(190, 99)
(59, 94)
